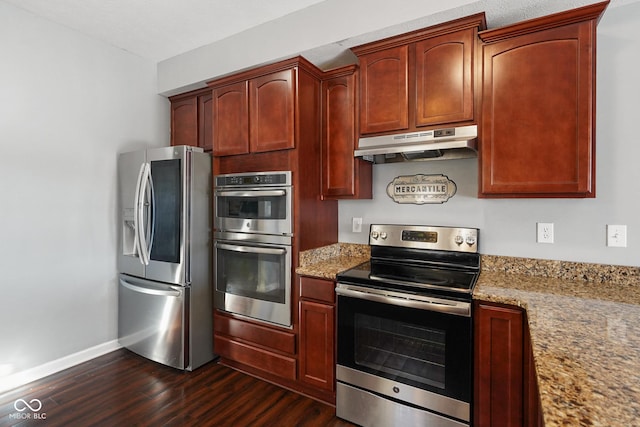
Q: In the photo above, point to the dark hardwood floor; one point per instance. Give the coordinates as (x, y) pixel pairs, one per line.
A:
(123, 389)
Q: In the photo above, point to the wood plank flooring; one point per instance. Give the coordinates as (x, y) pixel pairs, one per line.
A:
(124, 389)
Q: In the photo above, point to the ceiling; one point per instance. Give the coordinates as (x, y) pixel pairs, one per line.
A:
(161, 29)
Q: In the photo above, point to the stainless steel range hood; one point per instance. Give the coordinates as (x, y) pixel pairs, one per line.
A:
(436, 144)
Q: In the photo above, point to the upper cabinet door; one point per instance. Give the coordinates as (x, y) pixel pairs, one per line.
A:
(205, 121)
(184, 121)
(384, 90)
(444, 78)
(343, 176)
(231, 120)
(272, 118)
(537, 114)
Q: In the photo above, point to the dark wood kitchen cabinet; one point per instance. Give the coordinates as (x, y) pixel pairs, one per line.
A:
(317, 333)
(538, 107)
(279, 106)
(191, 115)
(255, 112)
(231, 119)
(505, 383)
(343, 175)
(419, 79)
(254, 347)
(301, 358)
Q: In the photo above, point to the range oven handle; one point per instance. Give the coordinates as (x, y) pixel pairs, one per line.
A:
(252, 249)
(405, 300)
(252, 193)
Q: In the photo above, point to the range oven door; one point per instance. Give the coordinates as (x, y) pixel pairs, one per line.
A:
(392, 349)
(253, 278)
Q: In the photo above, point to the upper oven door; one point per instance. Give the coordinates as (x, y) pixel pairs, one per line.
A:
(425, 349)
(254, 210)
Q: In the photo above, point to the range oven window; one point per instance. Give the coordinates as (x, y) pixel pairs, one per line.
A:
(425, 349)
(401, 349)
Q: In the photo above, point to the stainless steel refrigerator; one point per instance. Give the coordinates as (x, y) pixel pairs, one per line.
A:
(165, 289)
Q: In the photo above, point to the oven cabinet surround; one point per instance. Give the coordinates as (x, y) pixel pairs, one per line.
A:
(419, 79)
(261, 349)
(537, 133)
(343, 176)
(255, 113)
(505, 384)
(191, 115)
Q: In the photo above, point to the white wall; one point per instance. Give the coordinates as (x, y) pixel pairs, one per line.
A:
(68, 105)
(508, 226)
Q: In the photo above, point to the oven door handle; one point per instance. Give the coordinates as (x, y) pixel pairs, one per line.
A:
(403, 300)
(252, 193)
(252, 249)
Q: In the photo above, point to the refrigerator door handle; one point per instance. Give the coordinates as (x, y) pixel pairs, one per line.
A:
(152, 209)
(144, 245)
(136, 215)
(149, 291)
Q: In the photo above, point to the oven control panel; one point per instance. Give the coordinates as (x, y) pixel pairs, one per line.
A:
(254, 179)
(458, 239)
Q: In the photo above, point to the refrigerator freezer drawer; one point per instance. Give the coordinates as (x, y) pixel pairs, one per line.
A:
(151, 320)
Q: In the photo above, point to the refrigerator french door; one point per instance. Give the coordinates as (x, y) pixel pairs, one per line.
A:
(165, 287)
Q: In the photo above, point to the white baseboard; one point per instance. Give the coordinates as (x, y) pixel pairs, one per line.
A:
(21, 378)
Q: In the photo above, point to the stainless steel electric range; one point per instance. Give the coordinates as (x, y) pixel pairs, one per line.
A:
(405, 328)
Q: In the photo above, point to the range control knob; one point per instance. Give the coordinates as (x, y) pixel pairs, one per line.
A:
(375, 234)
(383, 235)
(458, 240)
(471, 240)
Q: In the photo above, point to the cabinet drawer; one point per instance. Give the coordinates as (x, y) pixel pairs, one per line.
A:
(258, 334)
(257, 358)
(318, 289)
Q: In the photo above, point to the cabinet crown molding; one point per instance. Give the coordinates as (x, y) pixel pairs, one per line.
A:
(581, 14)
(297, 62)
(473, 21)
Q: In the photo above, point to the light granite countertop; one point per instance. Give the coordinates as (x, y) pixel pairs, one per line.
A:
(328, 261)
(584, 321)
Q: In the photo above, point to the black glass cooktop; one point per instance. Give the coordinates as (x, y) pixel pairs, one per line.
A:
(417, 279)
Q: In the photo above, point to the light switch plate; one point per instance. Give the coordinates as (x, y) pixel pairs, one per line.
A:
(356, 225)
(617, 236)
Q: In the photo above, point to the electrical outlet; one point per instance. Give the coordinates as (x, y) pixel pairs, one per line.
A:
(356, 225)
(617, 236)
(545, 232)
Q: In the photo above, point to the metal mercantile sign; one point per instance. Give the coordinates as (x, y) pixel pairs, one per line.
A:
(421, 189)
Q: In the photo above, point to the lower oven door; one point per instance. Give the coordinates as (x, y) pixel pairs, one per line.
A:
(254, 279)
(402, 362)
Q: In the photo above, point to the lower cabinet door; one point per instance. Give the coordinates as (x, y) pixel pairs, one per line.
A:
(317, 343)
(499, 366)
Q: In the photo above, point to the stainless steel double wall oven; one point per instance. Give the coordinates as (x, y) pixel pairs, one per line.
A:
(254, 229)
(404, 328)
